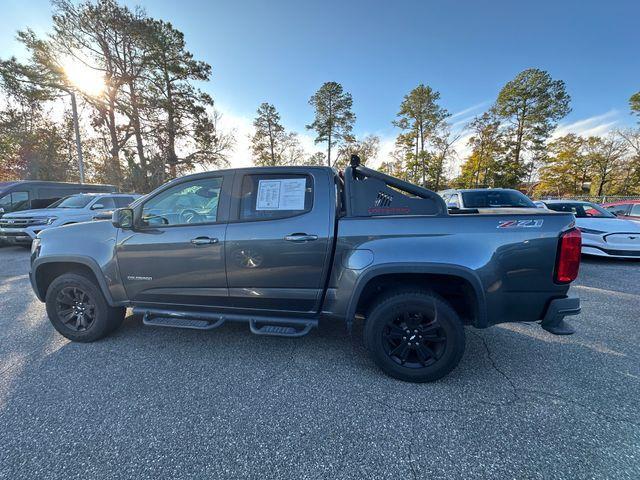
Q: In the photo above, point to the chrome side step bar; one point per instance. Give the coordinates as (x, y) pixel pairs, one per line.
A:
(198, 320)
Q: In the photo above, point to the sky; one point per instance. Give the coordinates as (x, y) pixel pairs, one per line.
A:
(281, 51)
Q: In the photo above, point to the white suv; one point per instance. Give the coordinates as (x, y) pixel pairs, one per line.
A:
(22, 227)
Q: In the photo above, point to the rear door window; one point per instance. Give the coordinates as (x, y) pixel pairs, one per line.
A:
(265, 197)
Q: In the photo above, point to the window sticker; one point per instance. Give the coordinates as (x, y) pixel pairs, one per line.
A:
(285, 194)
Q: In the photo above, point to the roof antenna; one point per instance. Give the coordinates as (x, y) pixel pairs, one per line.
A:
(355, 161)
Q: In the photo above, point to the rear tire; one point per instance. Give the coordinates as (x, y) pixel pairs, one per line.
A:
(78, 310)
(414, 336)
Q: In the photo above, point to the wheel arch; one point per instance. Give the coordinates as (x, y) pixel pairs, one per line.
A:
(47, 269)
(459, 285)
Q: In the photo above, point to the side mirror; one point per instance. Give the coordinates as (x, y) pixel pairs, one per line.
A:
(97, 206)
(122, 218)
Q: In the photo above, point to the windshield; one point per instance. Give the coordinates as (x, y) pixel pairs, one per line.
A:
(74, 201)
(496, 199)
(581, 210)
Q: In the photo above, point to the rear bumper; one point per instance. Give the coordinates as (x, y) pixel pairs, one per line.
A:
(556, 311)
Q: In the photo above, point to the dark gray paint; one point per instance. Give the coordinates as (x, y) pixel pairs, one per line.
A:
(510, 270)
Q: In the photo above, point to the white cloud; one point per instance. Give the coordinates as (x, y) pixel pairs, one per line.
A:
(466, 111)
(596, 125)
(460, 124)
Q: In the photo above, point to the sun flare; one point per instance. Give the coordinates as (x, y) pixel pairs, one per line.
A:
(86, 79)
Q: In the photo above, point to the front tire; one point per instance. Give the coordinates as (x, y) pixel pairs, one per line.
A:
(414, 336)
(78, 310)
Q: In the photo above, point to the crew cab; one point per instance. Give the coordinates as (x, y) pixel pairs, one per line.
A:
(22, 227)
(283, 248)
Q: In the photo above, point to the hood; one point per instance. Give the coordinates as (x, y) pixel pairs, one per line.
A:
(609, 224)
(80, 232)
(43, 212)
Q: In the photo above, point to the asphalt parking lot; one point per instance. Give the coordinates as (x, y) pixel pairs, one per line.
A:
(164, 403)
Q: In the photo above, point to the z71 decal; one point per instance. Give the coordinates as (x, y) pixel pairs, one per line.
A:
(531, 223)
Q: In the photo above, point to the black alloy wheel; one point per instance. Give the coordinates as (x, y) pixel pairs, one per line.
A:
(75, 308)
(414, 339)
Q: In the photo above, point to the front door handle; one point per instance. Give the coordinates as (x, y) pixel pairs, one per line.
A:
(300, 237)
(204, 241)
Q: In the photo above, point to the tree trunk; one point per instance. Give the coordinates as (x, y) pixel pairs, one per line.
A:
(115, 146)
(520, 133)
(273, 156)
(330, 132)
(172, 157)
(137, 130)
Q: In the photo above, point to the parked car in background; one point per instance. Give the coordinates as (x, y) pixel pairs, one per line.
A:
(23, 226)
(603, 234)
(485, 199)
(628, 209)
(32, 194)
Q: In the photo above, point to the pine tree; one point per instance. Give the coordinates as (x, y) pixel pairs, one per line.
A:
(333, 116)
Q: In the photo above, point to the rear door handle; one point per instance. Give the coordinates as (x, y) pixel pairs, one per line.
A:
(300, 237)
(204, 241)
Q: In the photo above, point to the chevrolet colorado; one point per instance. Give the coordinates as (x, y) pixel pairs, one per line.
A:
(282, 248)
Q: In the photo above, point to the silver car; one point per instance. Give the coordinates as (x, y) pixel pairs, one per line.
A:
(22, 227)
(603, 234)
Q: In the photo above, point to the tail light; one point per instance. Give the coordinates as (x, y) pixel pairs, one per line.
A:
(568, 259)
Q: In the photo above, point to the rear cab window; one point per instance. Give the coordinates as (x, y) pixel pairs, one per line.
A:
(275, 196)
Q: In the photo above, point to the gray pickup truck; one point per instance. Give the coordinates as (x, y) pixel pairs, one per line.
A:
(282, 248)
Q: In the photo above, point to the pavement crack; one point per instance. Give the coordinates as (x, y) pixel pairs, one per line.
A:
(411, 465)
(495, 366)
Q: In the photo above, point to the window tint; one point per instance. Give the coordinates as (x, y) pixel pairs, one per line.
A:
(5, 202)
(635, 210)
(619, 209)
(106, 202)
(123, 201)
(74, 201)
(20, 200)
(275, 196)
(184, 204)
(581, 210)
(15, 201)
(496, 199)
